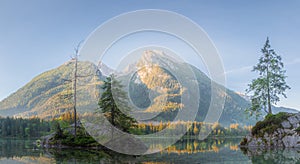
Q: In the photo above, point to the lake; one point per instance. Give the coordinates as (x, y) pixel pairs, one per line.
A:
(184, 151)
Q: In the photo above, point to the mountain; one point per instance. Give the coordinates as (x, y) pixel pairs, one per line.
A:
(283, 109)
(154, 79)
(49, 94)
(157, 83)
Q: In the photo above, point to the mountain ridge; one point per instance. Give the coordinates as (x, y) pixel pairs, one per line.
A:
(48, 94)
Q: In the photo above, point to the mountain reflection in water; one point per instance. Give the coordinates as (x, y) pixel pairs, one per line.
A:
(184, 151)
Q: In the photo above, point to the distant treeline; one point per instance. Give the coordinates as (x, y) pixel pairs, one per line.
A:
(23, 128)
(36, 127)
(192, 128)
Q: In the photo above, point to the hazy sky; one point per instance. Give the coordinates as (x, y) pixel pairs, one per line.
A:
(36, 35)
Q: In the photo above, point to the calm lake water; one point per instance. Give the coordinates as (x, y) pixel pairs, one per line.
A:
(184, 151)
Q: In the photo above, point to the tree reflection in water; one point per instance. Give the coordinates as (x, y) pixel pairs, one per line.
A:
(185, 150)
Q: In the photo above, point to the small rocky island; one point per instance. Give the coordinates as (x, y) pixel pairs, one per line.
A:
(279, 130)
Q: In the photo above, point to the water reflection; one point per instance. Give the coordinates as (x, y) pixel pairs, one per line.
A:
(191, 146)
(17, 148)
(195, 151)
(184, 151)
(279, 155)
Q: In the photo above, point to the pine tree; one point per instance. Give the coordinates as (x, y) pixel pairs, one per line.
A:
(270, 84)
(114, 104)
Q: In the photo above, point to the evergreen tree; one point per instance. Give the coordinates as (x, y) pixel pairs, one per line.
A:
(58, 131)
(21, 128)
(114, 104)
(270, 84)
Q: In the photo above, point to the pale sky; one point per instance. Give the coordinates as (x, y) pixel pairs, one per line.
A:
(36, 36)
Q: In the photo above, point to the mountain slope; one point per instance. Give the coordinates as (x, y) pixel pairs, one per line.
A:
(155, 78)
(152, 71)
(153, 88)
(46, 95)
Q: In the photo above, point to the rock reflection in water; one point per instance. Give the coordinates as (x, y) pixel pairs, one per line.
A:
(274, 155)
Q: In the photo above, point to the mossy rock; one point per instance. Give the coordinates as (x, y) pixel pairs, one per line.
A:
(269, 124)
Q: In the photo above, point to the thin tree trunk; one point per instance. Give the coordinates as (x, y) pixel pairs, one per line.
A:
(269, 102)
(112, 120)
(75, 90)
(268, 85)
(113, 116)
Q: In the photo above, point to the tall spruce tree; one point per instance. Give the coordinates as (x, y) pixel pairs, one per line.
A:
(270, 83)
(114, 104)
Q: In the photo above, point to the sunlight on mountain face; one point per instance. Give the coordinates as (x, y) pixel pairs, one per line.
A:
(161, 86)
(154, 83)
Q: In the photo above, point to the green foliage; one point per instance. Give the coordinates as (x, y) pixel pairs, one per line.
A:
(64, 133)
(269, 124)
(58, 131)
(82, 138)
(270, 84)
(23, 128)
(114, 104)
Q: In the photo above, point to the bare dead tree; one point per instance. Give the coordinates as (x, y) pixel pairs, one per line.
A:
(75, 87)
(74, 80)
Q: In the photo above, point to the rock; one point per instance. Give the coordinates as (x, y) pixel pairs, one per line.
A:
(288, 131)
(46, 140)
(291, 141)
(266, 135)
(253, 143)
(286, 124)
(294, 121)
(298, 116)
(280, 132)
(277, 136)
